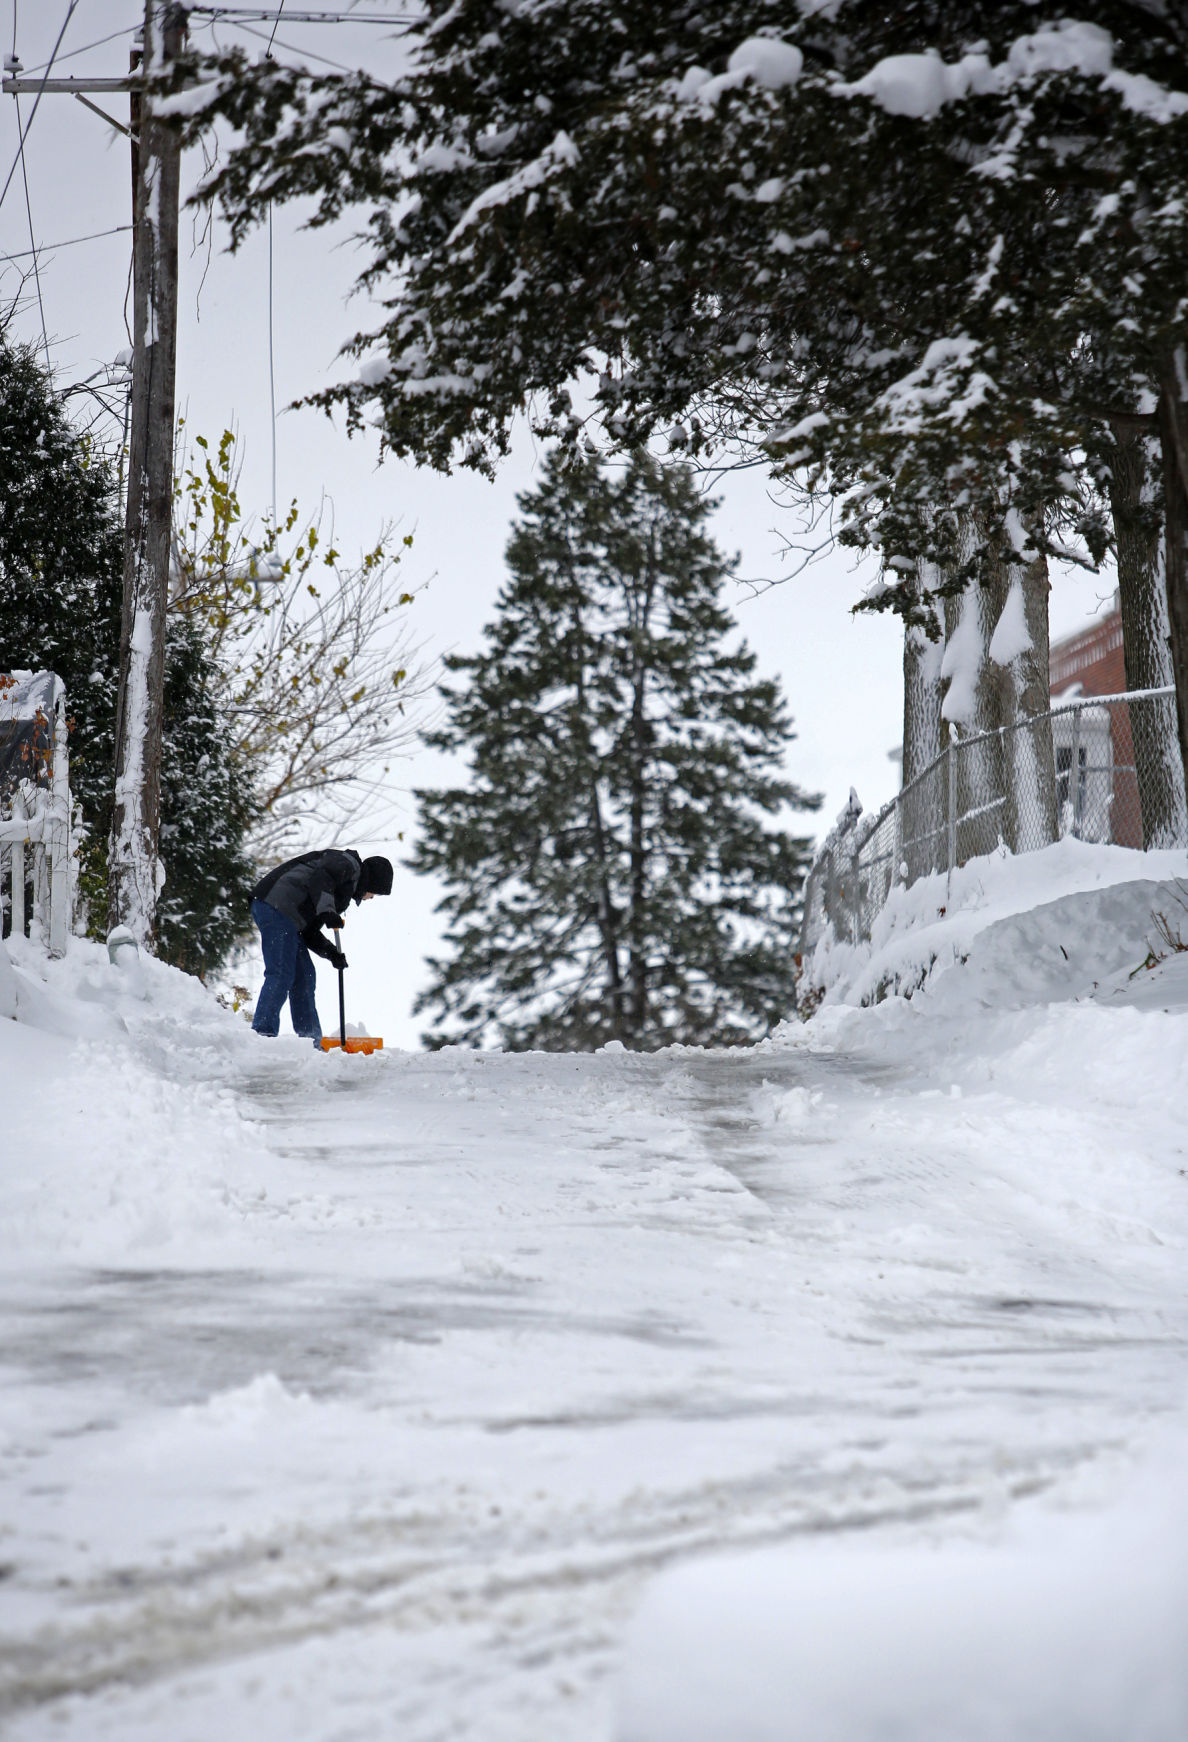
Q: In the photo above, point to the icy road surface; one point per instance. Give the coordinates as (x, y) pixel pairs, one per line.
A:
(372, 1418)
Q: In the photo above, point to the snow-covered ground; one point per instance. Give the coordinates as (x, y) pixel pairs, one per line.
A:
(829, 1389)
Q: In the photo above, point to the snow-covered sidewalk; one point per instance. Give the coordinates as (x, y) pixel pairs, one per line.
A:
(363, 1398)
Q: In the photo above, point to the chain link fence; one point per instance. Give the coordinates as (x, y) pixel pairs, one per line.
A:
(1101, 769)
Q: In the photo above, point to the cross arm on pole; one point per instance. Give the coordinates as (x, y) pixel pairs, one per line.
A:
(17, 87)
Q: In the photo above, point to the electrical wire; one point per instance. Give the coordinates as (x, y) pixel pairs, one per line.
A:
(271, 351)
(289, 47)
(33, 240)
(19, 158)
(70, 242)
(128, 30)
(271, 370)
(268, 51)
(29, 203)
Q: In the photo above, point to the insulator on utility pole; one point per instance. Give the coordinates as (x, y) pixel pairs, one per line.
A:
(134, 877)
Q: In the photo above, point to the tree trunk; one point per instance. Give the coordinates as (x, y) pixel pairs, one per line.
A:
(1172, 414)
(923, 733)
(1142, 593)
(1018, 651)
(922, 838)
(607, 915)
(134, 872)
(641, 611)
(996, 661)
(971, 708)
(981, 772)
(607, 918)
(639, 964)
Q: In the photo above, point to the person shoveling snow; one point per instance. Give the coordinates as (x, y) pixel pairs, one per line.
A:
(290, 905)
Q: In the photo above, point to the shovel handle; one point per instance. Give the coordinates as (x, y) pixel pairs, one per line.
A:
(341, 993)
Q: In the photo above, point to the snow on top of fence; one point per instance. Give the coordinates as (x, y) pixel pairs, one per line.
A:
(867, 856)
(25, 694)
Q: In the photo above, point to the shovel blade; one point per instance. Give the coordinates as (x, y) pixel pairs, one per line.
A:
(367, 1043)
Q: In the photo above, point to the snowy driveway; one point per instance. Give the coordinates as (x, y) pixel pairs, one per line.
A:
(398, 1394)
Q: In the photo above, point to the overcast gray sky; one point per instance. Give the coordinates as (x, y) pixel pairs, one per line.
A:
(840, 673)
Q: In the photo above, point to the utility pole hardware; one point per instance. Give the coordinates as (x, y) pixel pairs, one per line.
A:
(134, 874)
(134, 865)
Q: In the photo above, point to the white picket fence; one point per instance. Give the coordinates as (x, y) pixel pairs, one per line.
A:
(35, 809)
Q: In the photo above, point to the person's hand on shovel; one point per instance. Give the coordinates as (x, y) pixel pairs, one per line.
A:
(377, 872)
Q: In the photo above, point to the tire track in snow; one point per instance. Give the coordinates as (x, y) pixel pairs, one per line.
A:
(414, 1573)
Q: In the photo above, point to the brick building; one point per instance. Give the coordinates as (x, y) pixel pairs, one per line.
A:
(1103, 804)
(1091, 663)
(1092, 659)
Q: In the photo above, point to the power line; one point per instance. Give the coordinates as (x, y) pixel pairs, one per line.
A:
(128, 30)
(268, 51)
(271, 348)
(19, 158)
(291, 48)
(271, 369)
(32, 234)
(29, 202)
(70, 242)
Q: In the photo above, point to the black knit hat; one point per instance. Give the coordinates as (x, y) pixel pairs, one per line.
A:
(376, 878)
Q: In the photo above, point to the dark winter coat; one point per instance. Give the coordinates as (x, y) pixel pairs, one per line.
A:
(312, 890)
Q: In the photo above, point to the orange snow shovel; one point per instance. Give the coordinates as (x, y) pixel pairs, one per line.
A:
(367, 1043)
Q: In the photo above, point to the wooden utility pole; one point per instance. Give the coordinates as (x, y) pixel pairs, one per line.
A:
(134, 864)
(133, 875)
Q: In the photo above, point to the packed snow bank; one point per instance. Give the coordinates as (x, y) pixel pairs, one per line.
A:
(1034, 1623)
(120, 1141)
(1079, 913)
(8, 987)
(1068, 1628)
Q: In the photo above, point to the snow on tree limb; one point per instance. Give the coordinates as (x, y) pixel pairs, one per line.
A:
(916, 256)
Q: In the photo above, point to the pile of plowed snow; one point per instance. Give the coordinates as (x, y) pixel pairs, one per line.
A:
(1062, 968)
(1077, 1631)
(1043, 928)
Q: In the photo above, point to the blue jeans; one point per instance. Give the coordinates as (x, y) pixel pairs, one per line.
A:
(288, 973)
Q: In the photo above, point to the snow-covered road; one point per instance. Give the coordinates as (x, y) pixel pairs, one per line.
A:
(372, 1416)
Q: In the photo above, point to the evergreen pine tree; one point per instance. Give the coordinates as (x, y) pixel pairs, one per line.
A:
(613, 868)
(207, 808)
(61, 556)
(61, 574)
